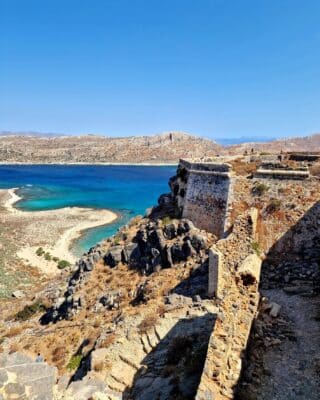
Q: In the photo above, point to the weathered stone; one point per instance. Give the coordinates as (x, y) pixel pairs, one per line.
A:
(14, 390)
(114, 256)
(3, 377)
(250, 269)
(131, 254)
(215, 283)
(170, 231)
(18, 294)
(274, 310)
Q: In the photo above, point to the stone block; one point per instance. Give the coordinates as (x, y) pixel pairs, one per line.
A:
(215, 280)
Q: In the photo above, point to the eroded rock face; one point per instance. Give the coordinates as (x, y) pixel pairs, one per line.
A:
(23, 378)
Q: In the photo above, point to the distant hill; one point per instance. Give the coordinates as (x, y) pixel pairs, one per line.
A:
(33, 147)
(307, 143)
(164, 148)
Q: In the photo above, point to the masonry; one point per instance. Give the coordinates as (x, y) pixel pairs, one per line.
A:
(205, 193)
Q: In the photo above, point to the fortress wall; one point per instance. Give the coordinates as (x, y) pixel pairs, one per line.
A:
(206, 201)
(206, 194)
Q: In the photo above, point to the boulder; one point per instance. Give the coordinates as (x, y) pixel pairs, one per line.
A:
(170, 231)
(274, 310)
(249, 270)
(155, 259)
(168, 257)
(114, 256)
(165, 199)
(131, 254)
(161, 241)
(18, 294)
(177, 253)
(187, 248)
(198, 242)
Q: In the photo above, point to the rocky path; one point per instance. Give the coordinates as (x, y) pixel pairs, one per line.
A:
(294, 366)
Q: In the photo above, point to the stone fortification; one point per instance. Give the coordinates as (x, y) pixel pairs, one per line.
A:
(202, 191)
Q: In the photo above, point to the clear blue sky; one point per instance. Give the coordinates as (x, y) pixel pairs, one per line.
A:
(217, 68)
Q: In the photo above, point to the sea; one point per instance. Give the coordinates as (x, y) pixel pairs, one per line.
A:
(127, 190)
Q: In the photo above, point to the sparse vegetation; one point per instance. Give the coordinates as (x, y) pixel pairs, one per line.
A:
(40, 252)
(256, 248)
(47, 256)
(166, 220)
(29, 310)
(14, 331)
(273, 206)
(259, 189)
(147, 323)
(74, 362)
(63, 264)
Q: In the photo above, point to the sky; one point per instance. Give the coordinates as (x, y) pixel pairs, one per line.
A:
(213, 68)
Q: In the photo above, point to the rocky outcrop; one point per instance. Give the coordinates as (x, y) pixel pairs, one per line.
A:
(23, 378)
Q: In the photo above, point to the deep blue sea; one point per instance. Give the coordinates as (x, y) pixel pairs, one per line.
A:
(127, 190)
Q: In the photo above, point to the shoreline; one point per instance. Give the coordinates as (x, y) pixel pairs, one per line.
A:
(88, 218)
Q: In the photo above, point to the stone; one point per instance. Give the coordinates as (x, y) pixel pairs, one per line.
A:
(177, 253)
(114, 256)
(274, 310)
(215, 284)
(198, 242)
(250, 269)
(14, 390)
(18, 294)
(131, 254)
(188, 249)
(98, 357)
(3, 377)
(170, 231)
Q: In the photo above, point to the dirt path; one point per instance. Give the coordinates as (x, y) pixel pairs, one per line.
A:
(294, 366)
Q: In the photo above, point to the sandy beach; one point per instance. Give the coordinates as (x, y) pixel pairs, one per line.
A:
(53, 230)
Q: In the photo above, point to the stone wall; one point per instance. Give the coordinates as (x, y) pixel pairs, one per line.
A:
(238, 273)
(203, 194)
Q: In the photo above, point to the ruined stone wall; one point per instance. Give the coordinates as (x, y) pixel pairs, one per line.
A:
(206, 189)
(287, 208)
(239, 271)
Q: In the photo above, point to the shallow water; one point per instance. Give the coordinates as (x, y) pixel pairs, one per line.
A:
(127, 190)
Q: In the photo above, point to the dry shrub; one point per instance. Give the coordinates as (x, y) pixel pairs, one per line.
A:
(147, 323)
(14, 348)
(99, 366)
(161, 310)
(58, 354)
(315, 170)
(14, 331)
(107, 341)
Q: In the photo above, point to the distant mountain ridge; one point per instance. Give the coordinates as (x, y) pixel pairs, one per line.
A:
(169, 147)
(164, 148)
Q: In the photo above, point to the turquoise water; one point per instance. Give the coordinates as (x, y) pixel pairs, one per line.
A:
(127, 190)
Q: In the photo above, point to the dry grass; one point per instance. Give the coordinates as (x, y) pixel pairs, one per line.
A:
(147, 323)
(58, 354)
(315, 170)
(161, 310)
(14, 347)
(108, 341)
(14, 331)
